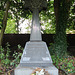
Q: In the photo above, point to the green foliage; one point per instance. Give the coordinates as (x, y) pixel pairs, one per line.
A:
(10, 28)
(16, 12)
(5, 53)
(48, 19)
(71, 22)
(1, 18)
(6, 62)
(16, 56)
(66, 63)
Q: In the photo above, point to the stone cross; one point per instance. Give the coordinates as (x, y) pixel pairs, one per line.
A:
(35, 53)
(35, 6)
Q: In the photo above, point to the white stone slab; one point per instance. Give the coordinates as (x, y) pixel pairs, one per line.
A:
(52, 70)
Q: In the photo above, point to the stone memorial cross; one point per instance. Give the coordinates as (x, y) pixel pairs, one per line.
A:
(35, 6)
(36, 53)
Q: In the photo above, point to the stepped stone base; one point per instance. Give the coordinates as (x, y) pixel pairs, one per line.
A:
(35, 54)
(20, 70)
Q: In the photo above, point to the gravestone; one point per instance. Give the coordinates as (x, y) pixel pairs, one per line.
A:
(36, 53)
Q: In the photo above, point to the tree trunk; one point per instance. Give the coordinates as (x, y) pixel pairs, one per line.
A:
(56, 9)
(61, 9)
(4, 22)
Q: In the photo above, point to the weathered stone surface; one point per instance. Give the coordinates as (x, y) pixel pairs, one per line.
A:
(36, 54)
(20, 70)
(35, 31)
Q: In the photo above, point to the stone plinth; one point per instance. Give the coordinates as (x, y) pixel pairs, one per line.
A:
(35, 54)
(28, 70)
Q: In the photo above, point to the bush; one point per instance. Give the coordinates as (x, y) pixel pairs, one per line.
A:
(6, 62)
(66, 63)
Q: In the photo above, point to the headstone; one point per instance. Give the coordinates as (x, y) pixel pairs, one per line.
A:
(35, 53)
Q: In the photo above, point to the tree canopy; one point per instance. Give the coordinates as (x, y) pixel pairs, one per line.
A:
(59, 19)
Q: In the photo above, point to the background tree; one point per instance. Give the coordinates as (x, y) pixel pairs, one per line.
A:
(61, 9)
(17, 11)
(4, 23)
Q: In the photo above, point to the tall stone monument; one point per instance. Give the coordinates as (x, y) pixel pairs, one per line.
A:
(35, 53)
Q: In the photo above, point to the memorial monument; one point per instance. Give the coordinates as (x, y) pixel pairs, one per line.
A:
(35, 53)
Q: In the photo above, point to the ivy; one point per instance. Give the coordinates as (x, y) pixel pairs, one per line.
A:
(59, 48)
